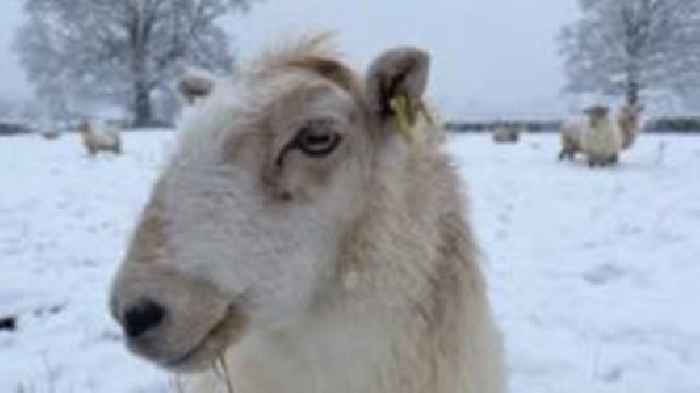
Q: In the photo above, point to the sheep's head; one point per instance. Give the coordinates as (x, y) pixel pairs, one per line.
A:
(84, 127)
(628, 118)
(194, 85)
(597, 114)
(243, 228)
(629, 115)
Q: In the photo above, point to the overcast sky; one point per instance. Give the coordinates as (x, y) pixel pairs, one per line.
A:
(489, 56)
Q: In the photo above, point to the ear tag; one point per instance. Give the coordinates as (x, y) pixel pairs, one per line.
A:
(407, 113)
(423, 110)
(405, 117)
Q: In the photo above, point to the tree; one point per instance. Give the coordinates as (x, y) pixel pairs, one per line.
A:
(624, 47)
(122, 51)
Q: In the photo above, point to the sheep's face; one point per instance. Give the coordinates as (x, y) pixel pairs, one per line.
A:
(243, 228)
(598, 115)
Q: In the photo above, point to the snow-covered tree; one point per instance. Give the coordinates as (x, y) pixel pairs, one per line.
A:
(123, 51)
(624, 47)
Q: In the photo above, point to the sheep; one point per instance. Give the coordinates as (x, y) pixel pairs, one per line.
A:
(601, 141)
(50, 134)
(506, 134)
(99, 140)
(47, 129)
(195, 85)
(310, 235)
(629, 119)
(574, 129)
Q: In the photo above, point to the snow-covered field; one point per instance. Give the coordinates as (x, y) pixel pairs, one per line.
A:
(594, 274)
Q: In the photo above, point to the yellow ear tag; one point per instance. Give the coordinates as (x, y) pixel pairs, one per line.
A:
(401, 105)
(422, 109)
(407, 116)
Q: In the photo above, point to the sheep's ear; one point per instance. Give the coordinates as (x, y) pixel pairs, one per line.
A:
(397, 73)
(194, 86)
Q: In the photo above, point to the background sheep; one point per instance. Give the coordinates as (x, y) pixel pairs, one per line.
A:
(195, 85)
(506, 134)
(100, 140)
(602, 140)
(50, 134)
(627, 125)
(629, 119)
(571, 135)
(310, 233)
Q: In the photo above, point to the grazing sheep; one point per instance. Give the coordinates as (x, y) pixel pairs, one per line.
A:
(195, 85)
(629, 119)
(99, 140)
(51, 134)
(309, 235)
(573, 130)
(506, 135)
(571, 134)
(602, 139)
(47, 128)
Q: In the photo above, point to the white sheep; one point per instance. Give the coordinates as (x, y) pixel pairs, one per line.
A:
(506, 134)
(601, 141)
(195, 85)
(571, 134)
(603, 136)
(94, 140)
(310, 235)
(629, 119)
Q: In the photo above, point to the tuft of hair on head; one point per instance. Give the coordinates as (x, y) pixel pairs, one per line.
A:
(314, 53)
(281, 54)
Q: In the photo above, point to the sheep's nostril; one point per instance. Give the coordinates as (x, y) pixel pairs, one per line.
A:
(143, 317)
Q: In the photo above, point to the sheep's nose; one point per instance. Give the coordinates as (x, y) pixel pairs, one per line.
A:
(142, 317)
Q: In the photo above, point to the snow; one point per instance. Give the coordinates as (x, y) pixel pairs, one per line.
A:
(593, 274)
(64, 223)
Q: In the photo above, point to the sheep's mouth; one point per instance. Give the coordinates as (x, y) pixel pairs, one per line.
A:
(206, 351)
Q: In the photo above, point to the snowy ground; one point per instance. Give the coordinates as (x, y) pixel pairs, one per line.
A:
(594, 274)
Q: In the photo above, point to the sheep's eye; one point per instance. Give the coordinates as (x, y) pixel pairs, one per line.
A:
(317, 142)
